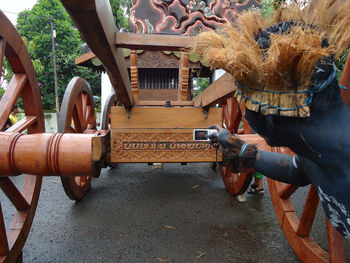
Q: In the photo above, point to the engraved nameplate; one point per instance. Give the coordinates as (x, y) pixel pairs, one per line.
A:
(159, 145)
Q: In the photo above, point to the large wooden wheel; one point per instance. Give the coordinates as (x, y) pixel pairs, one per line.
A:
(297, 230)
(106, 114)
(235, 183)
(77, 115)
(106, 121)
(22, 201)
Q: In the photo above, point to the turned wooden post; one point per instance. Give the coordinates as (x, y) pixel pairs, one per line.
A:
(134, 74)
(183, 76)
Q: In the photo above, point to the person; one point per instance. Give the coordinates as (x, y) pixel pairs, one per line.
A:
(12, 116)
(288, 86)
(257, 187)
(96, 102)
(8, 124)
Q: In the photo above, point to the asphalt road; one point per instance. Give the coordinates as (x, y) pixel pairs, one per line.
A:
(175, 214)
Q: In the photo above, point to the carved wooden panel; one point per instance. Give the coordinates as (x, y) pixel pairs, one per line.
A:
(185, 17)
(157, 59)
(159, 145)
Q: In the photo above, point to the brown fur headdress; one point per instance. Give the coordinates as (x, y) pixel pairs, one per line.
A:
(276, 80)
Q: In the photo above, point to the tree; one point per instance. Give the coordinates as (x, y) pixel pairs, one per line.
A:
(34, 24)
(6, 71)
(121, 13)
(199, 85)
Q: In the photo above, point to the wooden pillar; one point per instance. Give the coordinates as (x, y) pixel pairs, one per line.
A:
(183, 76)
(134, 74)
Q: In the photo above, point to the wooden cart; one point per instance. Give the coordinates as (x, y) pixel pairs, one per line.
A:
(139, 131)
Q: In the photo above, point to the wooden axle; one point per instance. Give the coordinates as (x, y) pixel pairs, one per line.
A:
(46, 154)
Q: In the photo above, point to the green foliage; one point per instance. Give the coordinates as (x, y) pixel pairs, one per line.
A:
(121, 13)
(341, 63)
(267, 8)
(199, 85)
(34, 24)
(1, 92)
(7, 71)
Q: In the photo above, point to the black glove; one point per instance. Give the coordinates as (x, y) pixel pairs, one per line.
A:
(236, 154)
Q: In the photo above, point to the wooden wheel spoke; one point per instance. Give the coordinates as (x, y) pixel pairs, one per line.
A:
(2, 53)
(22, 124)
(83, 180)
(232, 115)
(73, 130)
(335, 244)
(10, 97)
(79, 109)
(309, 213)
(246, 127)
(225, 113)
(287, 191)
(4, 247)
(89, 115)
(84, 101)
(77, 119)
(13, 194)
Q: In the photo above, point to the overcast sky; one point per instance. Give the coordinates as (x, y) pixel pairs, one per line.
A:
(12, 7)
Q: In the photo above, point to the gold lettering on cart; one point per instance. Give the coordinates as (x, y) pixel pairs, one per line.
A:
(156, 146)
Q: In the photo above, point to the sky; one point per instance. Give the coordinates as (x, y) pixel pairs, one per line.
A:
(12, 7)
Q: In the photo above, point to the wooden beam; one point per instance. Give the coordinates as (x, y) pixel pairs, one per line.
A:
(84, 58)
(163, 103)
(164, 117)
(217, 92)
(153, 41)
(94, 19)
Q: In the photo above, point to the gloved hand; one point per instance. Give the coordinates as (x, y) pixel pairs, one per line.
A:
(236, 154)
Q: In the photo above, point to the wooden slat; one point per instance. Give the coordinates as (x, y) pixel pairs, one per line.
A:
(85, 57)
(217, 92)
(163, 117)
(309, 213)
(12, 193)
(4, 246)
(336, 248)
(95, 22)
(153, 41)
(287, 191)
(22, 124)
(10, 96)
(163, 103)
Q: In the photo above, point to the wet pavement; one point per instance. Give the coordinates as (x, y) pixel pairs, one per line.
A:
(175, 214)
